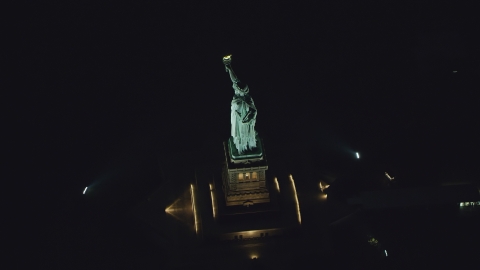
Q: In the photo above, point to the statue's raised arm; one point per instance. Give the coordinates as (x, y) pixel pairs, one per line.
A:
(227, 61)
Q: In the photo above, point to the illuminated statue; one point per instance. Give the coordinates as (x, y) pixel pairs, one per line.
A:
(243, 114)
(243, 177)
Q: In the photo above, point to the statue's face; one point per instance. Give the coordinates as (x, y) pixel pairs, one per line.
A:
(239, 93)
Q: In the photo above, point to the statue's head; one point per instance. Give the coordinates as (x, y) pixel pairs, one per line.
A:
(240, 91)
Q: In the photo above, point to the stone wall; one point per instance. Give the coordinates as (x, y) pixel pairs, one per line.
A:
(254, 197)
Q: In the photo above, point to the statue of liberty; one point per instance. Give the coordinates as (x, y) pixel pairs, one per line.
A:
(243, 114)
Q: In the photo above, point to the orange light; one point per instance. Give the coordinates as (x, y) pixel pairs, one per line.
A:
(296, 199)
(323, 187)
(193, 208)
(213, 204)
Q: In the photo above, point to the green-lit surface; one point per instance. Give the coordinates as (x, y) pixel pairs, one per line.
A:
(254, 153)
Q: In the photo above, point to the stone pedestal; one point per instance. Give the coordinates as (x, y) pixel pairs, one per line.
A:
(244, 175)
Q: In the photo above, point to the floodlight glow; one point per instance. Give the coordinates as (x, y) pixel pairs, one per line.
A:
(85, 190)
(276, 184)
(322, 187)
(193, 208)
(296, 200)
(388, 176)
(213, 204)
(170, 208)
(358, 155)
(386, 254)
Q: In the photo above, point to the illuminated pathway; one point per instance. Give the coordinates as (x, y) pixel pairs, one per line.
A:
(192, 192)
(296, 200)
(213, 200)
(276, 184)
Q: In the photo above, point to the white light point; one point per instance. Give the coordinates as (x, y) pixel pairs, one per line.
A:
(386, 254)
(85, 190)
(358, 155)
(389, 177)
(296, 200)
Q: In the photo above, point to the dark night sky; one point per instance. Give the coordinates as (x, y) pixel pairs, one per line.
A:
(98, 79)
(96, 75)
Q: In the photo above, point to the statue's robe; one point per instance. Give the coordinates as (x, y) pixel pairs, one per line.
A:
(243, 118)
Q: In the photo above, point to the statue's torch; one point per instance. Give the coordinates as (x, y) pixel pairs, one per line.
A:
(227, 61)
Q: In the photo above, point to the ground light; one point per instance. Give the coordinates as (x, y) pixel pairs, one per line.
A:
(213, 204)
(323, 187)
(193, 207)
(85, 190)
(296, 200)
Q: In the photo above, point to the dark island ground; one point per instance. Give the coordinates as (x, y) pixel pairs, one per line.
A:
(121, 223)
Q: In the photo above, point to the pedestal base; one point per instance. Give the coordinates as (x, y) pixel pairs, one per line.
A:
(244, 175)
(247, 198)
